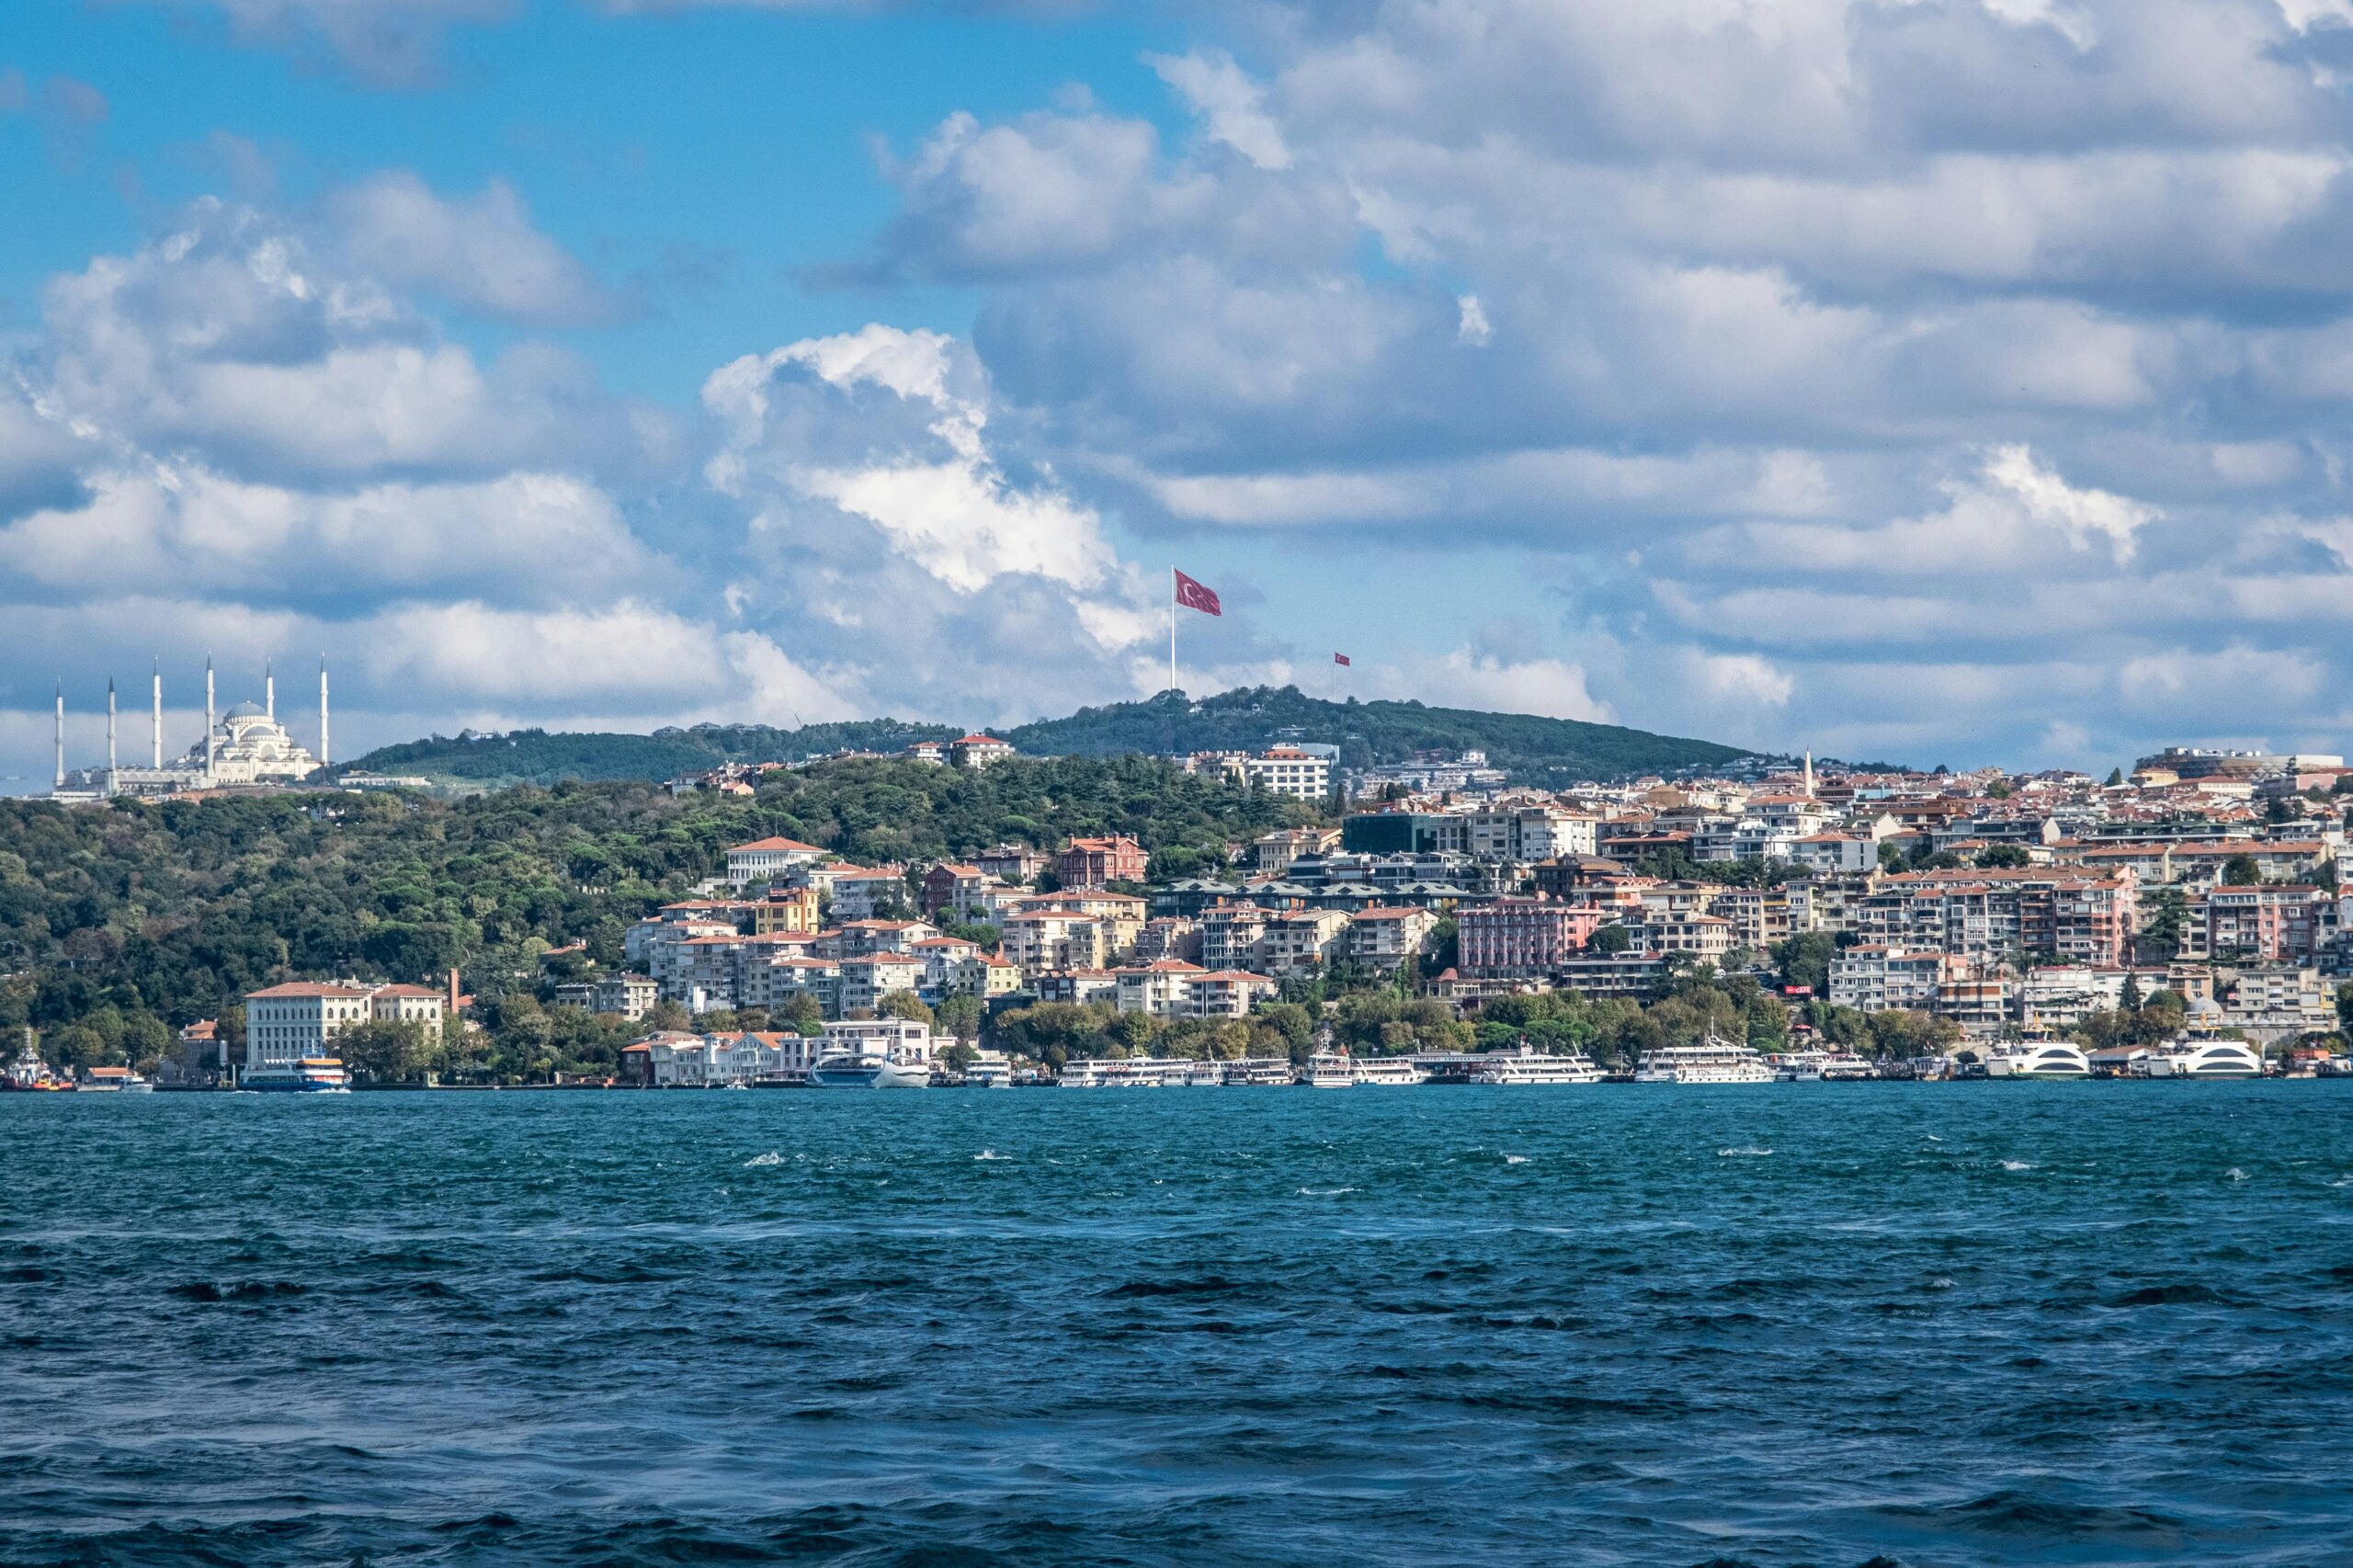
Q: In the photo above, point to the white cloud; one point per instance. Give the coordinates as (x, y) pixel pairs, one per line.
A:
(481, 253)
(1474, 327)
(1233, 106)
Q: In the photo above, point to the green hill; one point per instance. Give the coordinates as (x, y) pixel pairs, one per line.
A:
(1533, 750)
(536, 756)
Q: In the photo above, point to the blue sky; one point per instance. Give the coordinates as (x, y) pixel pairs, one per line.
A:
(1940, 379)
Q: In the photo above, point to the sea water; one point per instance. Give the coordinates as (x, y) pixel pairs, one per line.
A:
(1807, 1324)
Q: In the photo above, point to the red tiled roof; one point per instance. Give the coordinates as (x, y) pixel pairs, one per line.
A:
(775, 844)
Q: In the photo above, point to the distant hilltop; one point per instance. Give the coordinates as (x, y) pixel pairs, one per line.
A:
(1527, 748)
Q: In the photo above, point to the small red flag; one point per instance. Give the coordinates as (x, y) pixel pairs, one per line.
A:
(1194, 595)
(1339, 658)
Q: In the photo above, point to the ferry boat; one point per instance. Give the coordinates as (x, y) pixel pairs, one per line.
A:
(2048, 1059)
(1713, 1061)
(1526, 1066)
(1329, 1070)
(311, 1075)
(2206, 1059)
(1134, 1073)
(1388, 1072)
(1258, 1072)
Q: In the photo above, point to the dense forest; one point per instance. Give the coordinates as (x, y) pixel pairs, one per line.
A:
(136, 917)
(1533, 750)
(536, 756)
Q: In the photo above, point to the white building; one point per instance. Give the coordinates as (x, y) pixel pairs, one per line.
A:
(767, 857)
(287, 1023)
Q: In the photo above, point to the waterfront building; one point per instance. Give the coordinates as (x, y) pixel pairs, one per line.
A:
(285, 1023)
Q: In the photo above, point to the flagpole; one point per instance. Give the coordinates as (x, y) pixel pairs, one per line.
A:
(1172, 628)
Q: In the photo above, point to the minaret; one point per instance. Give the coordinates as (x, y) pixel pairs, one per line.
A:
(322, 709)
(207, 719)
(1809, 773)
(158, 742)
(268, 693)
(111, 762)
(61, 734)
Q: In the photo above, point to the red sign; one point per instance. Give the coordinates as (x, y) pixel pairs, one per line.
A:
(1195, 595)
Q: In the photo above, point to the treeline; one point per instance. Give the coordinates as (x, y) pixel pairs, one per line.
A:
(1687, 1006)
(130, 920)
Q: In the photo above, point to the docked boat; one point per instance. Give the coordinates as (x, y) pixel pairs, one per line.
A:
(2206, 1059)
(1257, 1073)
(310, 1075)
(868, 1070)
(30, 1072)
(1713, 1060)
(2045, 1059)
(874, 1054)
(1526, 1066)
(1329, 1070)
(1387, 1072)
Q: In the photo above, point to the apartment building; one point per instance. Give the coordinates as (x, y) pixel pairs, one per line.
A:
(1521, 938)
(1096, 862)
(1873, 977)
(764, 859)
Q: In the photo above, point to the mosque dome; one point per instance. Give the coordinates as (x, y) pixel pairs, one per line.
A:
(247, 711)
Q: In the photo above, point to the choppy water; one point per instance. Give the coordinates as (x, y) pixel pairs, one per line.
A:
(1931, 1325)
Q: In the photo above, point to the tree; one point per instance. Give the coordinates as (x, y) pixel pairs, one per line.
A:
(1891, 855)
(382, 1051)
(79, 1045)
(2129, 1001)
(904, 1004)
(2242, 871)
(1612, 939)
(2115, 776)
(2009, 856)
(802, 1012)
(958, 1015)
(2345, 1007)
(1804, 960)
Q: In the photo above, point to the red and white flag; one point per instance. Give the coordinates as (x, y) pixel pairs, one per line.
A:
(1339, 658)
(1196, 595)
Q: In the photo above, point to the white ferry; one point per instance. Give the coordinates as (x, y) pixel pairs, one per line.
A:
(1138, 1072)
(1713, 1061)
(311, 1075)
(865, 1069)
(2052, 1059)
(1258, 1072)
(1528, 1066)
(1388, 1072)
(1329, 1070)
(1821, 1067)
(2206, 1059)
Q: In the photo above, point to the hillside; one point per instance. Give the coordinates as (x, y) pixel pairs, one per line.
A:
(131, 919)
(1534, 750)
(538, 756)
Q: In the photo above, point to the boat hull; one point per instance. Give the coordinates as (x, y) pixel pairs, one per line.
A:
(868, 1076)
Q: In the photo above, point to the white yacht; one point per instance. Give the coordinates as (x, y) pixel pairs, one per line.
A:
(2038, 1059)
(2207, 1059)
(1526, 1066)
(1713, 1060)
(874, 1054)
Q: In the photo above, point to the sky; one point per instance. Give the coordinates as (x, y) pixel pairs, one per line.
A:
(1934, 380)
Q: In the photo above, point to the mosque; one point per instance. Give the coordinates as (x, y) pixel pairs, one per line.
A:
(246, 747)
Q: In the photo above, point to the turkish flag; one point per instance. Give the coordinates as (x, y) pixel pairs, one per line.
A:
(1193, 596)
(1339, 658)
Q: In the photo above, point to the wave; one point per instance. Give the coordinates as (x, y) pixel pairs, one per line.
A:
(1515, 1159)
(2018, 1165)
(2234, 1174)
(990, 1154)
(1745, 1152)
(770, 1158)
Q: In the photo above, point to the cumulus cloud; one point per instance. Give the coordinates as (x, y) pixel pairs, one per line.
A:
(481, 253)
